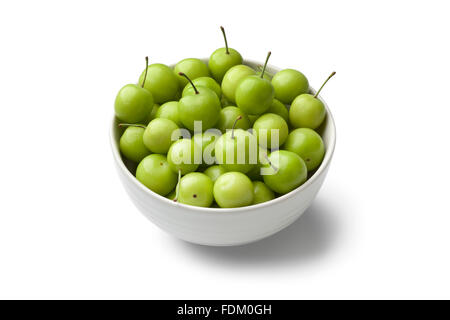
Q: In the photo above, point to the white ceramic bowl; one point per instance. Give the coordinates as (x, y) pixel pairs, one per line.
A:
(226, 227)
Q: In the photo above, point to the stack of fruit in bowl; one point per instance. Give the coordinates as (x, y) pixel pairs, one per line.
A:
(220, 134)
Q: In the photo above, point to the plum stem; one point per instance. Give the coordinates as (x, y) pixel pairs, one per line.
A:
(190, 81)
(329, 77)
(146, 69)
(225, 38)
(234, 126)
(132, 125)
(265, 64)
(260, 67)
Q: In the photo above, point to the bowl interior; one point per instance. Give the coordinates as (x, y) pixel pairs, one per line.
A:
(326, 130)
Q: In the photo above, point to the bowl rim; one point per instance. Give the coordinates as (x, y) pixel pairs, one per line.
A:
(202, 210)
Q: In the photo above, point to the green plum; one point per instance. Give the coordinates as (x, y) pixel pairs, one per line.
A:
(161, 82)
(280, 109)
(203, 106)
(232, 78)
(271, 131)
(214, 172)
(207, 82)
(236, 149)
(182, 156)
(131, 144)
(133, 103)
(158, 135)
(308, 145)
(223, 59)
(169, 110)
(154, 172)
(194, 68)
(288, 84)
(261, 192)
(285, 171)
(307, 111)
(233, 189)
(228, 116)
(196, 189)
(254, 94)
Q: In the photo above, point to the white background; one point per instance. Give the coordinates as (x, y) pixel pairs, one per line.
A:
(380, 227)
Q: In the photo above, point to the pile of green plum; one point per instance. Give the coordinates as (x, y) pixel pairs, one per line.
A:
(237, 107)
